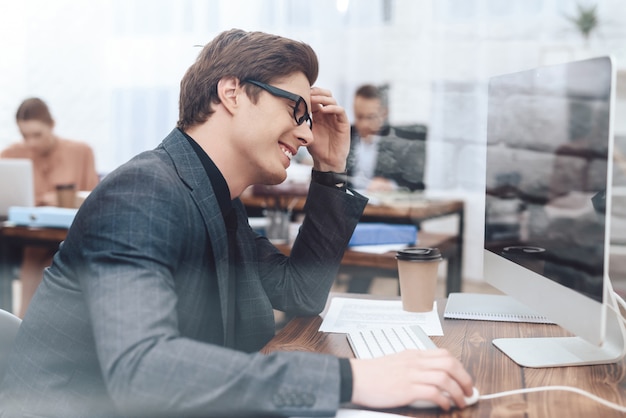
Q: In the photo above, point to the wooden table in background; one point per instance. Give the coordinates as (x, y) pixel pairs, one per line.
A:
(386, 265)
(405, 209)
(400, 211)
(470, 341)
(12, 239)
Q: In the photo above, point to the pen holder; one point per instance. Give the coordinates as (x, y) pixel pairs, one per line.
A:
(278, 226)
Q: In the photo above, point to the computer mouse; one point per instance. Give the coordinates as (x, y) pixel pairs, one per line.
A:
(469, 400)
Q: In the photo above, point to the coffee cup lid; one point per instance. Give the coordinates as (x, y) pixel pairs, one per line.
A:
(419, 254)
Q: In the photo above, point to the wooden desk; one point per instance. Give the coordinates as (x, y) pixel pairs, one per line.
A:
(470, 341)
(410, 210)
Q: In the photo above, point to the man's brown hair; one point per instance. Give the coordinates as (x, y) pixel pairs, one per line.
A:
(34, 109)
(245, 55)
(369, 91)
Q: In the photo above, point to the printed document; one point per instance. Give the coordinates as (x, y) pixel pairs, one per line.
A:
(378, 248)
(354, 314)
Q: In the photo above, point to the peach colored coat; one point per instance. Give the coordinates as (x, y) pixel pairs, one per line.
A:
(68, 162)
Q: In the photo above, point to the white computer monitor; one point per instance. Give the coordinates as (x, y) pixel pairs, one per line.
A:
(547, 200)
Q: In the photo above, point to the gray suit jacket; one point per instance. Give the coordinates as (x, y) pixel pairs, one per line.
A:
(130, 320)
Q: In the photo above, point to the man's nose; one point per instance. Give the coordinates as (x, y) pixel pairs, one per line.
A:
(305, 135)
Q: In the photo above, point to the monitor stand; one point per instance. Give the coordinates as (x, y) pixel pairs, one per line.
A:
(570, 351)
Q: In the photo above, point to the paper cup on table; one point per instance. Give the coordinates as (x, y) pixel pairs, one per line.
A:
(66, 195)
(417, 272)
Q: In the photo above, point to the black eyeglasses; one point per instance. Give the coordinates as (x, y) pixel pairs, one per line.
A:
(300, 111)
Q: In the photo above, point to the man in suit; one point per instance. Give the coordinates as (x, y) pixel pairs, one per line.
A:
(380, 159)
(161, 296)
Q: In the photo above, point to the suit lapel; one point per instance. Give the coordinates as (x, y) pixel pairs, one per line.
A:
(192, 173)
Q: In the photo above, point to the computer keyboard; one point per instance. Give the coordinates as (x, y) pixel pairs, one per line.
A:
(379, 342)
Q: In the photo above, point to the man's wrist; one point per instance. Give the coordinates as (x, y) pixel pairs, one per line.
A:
(330, 178)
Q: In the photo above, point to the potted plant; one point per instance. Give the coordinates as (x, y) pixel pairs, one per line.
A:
(586, 20)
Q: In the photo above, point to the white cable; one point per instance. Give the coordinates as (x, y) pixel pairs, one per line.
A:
(555, 388)
(589, 395)
(621, 301)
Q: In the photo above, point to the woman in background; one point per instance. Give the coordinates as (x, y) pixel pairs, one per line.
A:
(56, 161)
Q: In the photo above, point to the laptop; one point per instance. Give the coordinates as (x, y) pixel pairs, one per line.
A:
(16, 184)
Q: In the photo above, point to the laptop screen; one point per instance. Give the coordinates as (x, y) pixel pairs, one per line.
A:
(16, 184)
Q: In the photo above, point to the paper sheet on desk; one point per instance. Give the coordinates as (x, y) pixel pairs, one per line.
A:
(353, 314)
(393, 198)
(378, 249)
(360, 413)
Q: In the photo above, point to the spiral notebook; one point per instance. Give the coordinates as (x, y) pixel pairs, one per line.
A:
(487, 307)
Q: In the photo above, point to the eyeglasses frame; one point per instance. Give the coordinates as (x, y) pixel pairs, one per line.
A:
(278, 92)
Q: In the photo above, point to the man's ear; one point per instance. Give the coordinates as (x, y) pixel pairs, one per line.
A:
(228, 90)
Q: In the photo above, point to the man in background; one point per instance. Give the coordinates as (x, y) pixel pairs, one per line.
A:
(380, 160)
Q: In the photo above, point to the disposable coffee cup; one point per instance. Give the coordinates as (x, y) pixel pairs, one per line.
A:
(66, 195)
(417, 272)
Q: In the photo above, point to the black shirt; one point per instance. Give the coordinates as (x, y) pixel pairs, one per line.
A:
(220, 187)
(222, 193)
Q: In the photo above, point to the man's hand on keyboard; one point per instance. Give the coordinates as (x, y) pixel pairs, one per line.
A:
(402, 378)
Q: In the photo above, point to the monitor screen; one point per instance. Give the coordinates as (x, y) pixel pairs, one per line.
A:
(548, 177)
(547, 154)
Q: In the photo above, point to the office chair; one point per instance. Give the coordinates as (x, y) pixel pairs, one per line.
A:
(9, 324)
